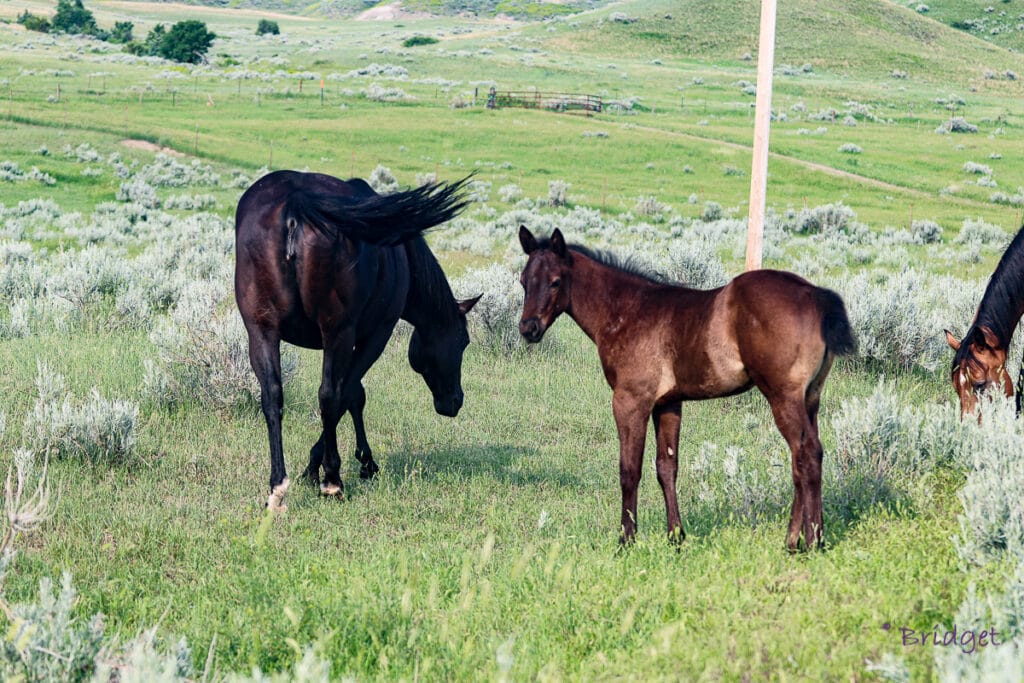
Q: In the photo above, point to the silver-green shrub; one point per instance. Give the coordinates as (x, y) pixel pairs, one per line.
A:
(47, 642)
(61, 426)
(884, 449)
(926, 232)
(382, 180)
(977, 231)
(694, 264)
(494, 321)
(992, 523)
(202, 352)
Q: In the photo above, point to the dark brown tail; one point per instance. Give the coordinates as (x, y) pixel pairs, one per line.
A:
(377, 219)
(835, 325)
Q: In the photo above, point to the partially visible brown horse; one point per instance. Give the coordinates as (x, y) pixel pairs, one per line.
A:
(661, 344)
(980, 359)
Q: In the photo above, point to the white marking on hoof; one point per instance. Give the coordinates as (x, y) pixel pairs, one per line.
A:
(330, 490)
(276, 500)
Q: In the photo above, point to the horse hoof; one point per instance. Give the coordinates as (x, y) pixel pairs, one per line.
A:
(275, 501)
(368, 470)
(331, 489)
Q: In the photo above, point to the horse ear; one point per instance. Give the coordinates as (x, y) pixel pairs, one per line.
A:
(527, 239)
(466, 305)
(953, 342)
(558, 243)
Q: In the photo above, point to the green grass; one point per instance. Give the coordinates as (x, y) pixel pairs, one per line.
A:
(438, 563)
(441, 569)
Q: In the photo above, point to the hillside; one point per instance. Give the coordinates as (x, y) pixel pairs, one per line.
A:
(1000, 22)
(872, 37)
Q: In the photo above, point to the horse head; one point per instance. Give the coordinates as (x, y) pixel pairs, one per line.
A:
(435, 352)
(978, 366)
(546, 280)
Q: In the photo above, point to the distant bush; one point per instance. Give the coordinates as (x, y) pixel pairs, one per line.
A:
(413, 41)
(977, 231)
(267, 27)
(558, 192)
(977, 169)
(824, 219)
(850, 148)
(72, 17)
(382, 180)
(122, 32)
(957, 124)
(33, 22)
(712, 211)
(926, 232)
(187, 42)
(694, 264)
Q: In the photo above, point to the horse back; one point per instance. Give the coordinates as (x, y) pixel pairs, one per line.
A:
(764, 327)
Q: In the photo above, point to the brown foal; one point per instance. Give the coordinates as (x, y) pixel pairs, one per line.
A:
(661, 344)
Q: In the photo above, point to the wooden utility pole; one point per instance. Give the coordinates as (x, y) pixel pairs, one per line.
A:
(762, 121)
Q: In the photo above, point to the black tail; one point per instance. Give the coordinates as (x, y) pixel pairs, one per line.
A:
(378, 219)
(835, 325)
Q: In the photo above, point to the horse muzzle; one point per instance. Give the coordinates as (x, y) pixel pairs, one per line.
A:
(450, 406)
(531, 329)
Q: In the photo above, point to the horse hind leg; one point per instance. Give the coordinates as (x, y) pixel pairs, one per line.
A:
(265, 358)
(666, 430)
(794, 423)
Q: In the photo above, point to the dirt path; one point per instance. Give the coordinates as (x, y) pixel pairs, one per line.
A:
(813, 166)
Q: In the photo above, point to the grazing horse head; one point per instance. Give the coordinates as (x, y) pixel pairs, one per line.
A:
(435, 352)
(979, 365)
(546, 280)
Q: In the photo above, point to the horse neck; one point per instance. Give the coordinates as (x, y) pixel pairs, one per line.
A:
(595, 295)
(430, 303)
(1002, 305)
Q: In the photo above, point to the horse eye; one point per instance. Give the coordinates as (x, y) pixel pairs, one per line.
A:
(979, 386)
(556, 283)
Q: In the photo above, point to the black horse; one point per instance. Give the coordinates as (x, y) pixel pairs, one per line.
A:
(327, 264)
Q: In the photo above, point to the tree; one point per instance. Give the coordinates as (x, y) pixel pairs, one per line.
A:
(187, 41)
(34, 22)
(72, 17)
(122, 32)
(267, 26)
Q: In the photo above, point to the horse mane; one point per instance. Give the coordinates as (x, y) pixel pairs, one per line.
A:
(631, 264)
(428, 285)
(1001, 306)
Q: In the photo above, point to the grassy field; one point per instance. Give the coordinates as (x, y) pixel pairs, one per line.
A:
(487, 546)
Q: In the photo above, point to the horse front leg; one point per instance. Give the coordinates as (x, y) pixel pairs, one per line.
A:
(631, 420)
(337, 361)
(367, 466)
(265, 358)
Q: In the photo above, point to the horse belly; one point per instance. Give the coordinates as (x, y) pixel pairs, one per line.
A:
(722, 377)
